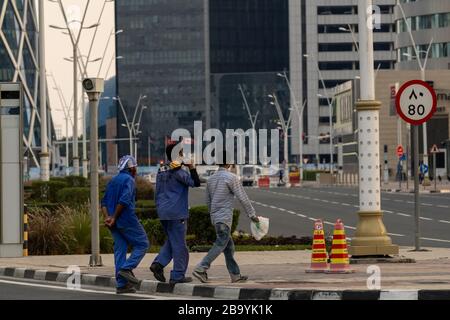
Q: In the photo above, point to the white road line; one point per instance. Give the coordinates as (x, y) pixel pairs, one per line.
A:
(441, 206)
(403, 214)
(346, 204)
(26, 284)
(326, 201)
(388, 211)
(396, 235)
(437, 240)
(427, 204)
(423, 218)
(301, 215)
(312, 219)
(444, 221)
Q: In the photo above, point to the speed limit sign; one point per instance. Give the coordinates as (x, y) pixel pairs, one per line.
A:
(416, 102)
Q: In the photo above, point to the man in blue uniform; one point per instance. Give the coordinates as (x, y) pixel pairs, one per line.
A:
(118, 207)
(172, 187)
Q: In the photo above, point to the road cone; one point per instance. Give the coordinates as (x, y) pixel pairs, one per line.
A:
(319, 257)
(340, 262)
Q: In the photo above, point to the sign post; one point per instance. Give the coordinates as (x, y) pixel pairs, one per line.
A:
(433, 151)
(416, 102)
(400, 153)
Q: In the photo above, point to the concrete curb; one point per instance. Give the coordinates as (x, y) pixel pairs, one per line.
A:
(232, 293)
(422, 191)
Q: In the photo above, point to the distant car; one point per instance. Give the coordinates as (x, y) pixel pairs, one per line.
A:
(250, 174)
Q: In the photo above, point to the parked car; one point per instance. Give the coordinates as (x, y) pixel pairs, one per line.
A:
(250, 174)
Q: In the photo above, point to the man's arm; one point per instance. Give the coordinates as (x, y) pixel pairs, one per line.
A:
(239, 192)
(208, 198)
(191, 180)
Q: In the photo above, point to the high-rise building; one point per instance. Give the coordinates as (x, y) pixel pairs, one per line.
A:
(324, 36)
(19, 62)
(189, 58)
(429, 21)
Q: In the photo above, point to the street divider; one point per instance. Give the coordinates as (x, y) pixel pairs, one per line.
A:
(340, 262)
(319, 256)
(264, 182)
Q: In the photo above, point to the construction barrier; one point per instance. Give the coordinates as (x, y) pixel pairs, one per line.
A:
(340, 262)
(319, 256)
(264, 182)
(294, 180)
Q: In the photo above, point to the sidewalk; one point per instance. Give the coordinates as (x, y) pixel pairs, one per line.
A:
(270, 273)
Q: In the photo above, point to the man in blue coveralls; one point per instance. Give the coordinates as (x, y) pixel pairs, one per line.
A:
(118, 207)
(172, 187)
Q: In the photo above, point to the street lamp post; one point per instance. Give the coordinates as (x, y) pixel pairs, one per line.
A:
(299, 112)
(422, 66)
(75, 39)
(285, 126)
(371, 237)
(44, 155)
(94, 92)
(330, 105)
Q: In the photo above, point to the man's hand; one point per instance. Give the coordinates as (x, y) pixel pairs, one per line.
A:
(255, 219)
(110, 222)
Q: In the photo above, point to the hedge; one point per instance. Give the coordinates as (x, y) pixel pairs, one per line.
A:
(47, 191)
(200, 224)
(155, 231)
(74, 196)
(146, 213)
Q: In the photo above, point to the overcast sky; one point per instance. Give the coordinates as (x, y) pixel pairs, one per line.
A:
(58, 47)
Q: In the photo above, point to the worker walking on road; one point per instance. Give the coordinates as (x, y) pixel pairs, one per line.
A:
(221, 190)
(172, 190)
(118, 207)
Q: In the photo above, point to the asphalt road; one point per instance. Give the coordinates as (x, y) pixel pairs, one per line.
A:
(292, 212)
(14, 289)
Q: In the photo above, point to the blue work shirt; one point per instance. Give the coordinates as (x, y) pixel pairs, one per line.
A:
(172, 190)
(122, 190)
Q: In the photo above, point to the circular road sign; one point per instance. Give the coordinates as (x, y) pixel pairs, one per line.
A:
(400, 151)
(416, 102)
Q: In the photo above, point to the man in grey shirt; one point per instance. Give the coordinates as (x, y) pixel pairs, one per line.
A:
(221, 190)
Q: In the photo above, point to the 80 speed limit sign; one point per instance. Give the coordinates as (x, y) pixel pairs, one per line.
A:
(416, 102)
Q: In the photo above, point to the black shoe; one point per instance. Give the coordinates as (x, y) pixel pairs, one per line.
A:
(127, 289)
(129, 275)
(202, 276)
(158, 272)
(184, 280)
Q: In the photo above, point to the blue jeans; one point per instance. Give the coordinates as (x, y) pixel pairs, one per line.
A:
(224, 243)
(123, 237)
(174, 248)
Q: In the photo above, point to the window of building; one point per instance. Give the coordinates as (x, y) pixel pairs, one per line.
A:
(327, 10)
(335, 47)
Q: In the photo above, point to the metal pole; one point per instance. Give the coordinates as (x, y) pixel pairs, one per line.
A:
(426, 176)
(416, 187)
(331, 140)
(76, 159)
(435, 171)
(149, 152)
(95, 259)
(44, 155)
(85, 159)
(67, 145)
(371, 235)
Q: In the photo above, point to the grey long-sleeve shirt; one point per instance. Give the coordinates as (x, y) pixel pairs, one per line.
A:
(221, 189)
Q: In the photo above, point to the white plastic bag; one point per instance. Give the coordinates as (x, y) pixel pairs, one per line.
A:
(259, 230)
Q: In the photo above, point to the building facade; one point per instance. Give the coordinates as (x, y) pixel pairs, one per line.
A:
(324, 36)
(19, 62)
(190, 57)
(428, 20)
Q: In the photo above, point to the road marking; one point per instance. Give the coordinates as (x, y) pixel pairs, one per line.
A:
(26, 284)
(396, 235)
(427, 204)
(441, 206)
(404, 214)
(423, 218)
(301, 215)
(444, 221)
(437, 240)
(346, 204)
(388, 211)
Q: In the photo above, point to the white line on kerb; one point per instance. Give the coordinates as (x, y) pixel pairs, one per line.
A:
(79, 290)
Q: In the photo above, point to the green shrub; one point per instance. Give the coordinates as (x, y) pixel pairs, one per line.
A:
(77, 229)
(200, 224)
(310, 175)
(144, 189)
(46, 191)
(155, 231)
(45, 235)
(76, 181)
(32, 205)
(106, 240)
(145, 204)
(74, 196)
(146, 213)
